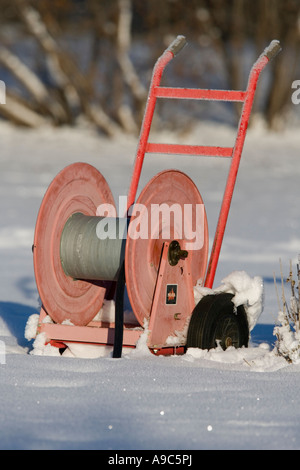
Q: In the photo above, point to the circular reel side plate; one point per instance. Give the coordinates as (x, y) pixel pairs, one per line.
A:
(77, 188)
(143, 250)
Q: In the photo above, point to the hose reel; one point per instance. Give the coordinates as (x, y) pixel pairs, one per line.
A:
(76, 267)
(75, 264)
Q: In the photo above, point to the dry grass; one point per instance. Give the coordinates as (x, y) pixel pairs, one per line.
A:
(288, 329)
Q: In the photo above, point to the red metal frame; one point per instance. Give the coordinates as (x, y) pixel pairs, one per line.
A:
(164, 319)
(245, 97)
(101, 333)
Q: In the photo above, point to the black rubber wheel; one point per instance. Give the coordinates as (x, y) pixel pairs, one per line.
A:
(215, 320)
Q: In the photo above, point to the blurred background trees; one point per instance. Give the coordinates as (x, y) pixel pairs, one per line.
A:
(62, 60)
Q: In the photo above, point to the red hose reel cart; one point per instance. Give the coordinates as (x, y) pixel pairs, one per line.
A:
(76, 269)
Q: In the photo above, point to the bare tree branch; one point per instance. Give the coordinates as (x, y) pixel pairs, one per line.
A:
(33, 85)
(65, 72)
(130, 76)
(123, 45)
(18, 112)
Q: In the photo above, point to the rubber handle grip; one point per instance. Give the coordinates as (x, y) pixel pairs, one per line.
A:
(273, 49)
(178, 44)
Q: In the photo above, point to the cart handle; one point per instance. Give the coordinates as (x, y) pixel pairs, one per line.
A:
(174, 48)
(268, 54)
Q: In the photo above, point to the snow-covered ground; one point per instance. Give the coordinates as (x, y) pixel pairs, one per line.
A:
(237, 399)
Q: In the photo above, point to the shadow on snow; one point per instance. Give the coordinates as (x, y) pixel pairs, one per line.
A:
(15, 317)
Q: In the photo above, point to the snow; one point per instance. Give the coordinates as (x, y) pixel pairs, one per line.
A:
(288, 339)
(85, 399)
(247, 291)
